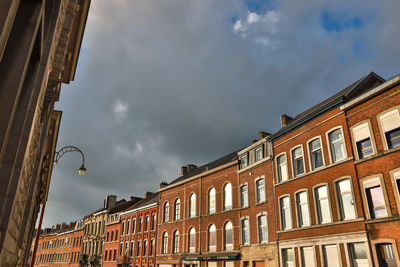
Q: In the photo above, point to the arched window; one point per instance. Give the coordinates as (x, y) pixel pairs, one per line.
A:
(212, 238)
(166, 211)
(228, 196)
(211, 200)
(176, 242)
(177, 214)
(192, 240)
(192, 206)
(165, 243)
(228, 236)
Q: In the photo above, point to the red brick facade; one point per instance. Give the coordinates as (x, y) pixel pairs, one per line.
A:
(60, 247)
(111, 241)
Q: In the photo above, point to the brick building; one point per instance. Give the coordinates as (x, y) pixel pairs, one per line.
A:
(60, 246)
(199, 222)
(318, 199)
(39, 49)
(374, 126)
(257, 227)
(138, 233)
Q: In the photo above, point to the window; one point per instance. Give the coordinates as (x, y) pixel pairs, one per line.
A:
(358, 255)
(131, 250)
(140, 224)
(390, 122)
(144, 248)
(176, 242)
(126, 248)
(177, 214)
(262, 229)
(386, 254)
(259, 153)
(345, 197)
(331, 255)
(123, 228)
(154, 219)
(245, 231)
(192, 206)
(128, 226)
(244, 196)
(396, 177)
(228, 196)
(243, 161)
(362, 139)
(116, 234)
(228, 236)
(287, 257)
(260, 190)
(133, 226)
(307, 257)
(336, 144)
(138, 248)
(315, 149)
(322, 204)
(282, 168)
(211, 200)
(375, 198)
(212, 239)
(146, 225)
(192, 240)
(165, 243)
(152, 247)
(286, 215)
(302, 209)
(297, 161)
(166, 212)
(120, 248)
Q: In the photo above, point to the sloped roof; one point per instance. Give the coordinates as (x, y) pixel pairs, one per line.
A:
(150, 199)
(364, 84)
(209, 166)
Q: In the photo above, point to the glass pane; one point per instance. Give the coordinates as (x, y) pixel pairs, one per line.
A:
(393, 138)
(364, 148)
(358, 251)
(244, 196)
(377, 202)
(297, 153)
(346, 200)
(315, 144)
(228, 196)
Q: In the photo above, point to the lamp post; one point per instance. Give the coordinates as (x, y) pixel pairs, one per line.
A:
(82, 171)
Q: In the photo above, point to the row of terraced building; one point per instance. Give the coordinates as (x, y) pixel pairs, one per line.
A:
(324, 190)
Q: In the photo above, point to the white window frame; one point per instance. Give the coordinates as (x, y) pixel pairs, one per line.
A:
(192, 205)
(323, 256)
(228, 247)
(244, 231)
(292, 161)
(210, 228)
(164, 244)
(283, 154)
(256, 190)
(282, 256)
(166, 212)
(176, 239)
(345, 156)
(255, 153)
(212, 208)
(177, 209)
(309, 152)
(320, 220)
(394, 176)
(282, 213)
(354, 138)
(192, 249)
(299, 210)
(228, 206)
(379, 118)
(244, 156)
(259, 228)
(246, 195)
(373, 181)
(338, 196)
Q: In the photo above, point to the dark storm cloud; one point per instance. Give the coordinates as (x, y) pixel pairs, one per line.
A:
(163, 83)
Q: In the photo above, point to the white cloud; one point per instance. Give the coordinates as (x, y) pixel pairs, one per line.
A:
(260, 28)
(120, 109)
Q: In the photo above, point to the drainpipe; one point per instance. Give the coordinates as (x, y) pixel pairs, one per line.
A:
(276, 211)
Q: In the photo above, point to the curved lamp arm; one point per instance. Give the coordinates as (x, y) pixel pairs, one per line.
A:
(66, 149)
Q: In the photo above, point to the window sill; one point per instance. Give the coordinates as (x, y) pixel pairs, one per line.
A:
(253, 165)
(377, 155)
(321, 225)
(260, 203)
(315, 171)
(384, 219)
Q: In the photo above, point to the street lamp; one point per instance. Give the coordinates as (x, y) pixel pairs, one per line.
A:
(62, 151)
(82, 171)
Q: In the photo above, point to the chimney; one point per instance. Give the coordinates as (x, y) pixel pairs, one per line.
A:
(133, 198)
(263, 135)
(110, 201)
(254, 141)
(147, 194)
(163, 183)
(285, 120)
(187, 168)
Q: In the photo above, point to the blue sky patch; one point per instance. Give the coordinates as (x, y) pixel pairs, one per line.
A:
(337, 23)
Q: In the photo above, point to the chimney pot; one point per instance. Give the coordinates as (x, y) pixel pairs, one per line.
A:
(187, 168)
(263, 134)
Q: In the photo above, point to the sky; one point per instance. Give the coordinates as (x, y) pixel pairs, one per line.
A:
(161, 84)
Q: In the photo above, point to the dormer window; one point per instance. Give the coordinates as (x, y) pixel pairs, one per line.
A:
(259, 153)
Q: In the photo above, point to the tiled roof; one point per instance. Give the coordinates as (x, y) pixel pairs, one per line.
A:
(150, 199)
(364, 84)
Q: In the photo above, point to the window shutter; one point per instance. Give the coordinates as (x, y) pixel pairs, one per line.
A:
(361, 132)
(390, 120)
